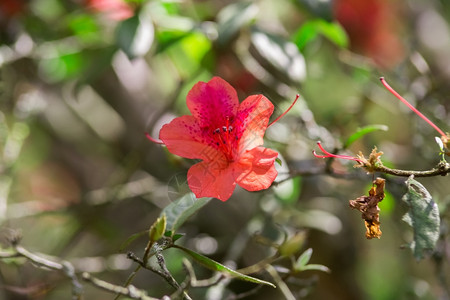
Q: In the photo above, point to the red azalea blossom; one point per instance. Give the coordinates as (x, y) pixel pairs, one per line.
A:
(227, 136)
(374, 29)
(117, 10)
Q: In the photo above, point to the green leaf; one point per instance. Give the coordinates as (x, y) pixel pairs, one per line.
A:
(302, 263)
(289, 190)
(131, 239)
(278, 161)
(278, 56)
(423, 216)
(316, 267)
(312, 29)
(180, 210)
(360, 132)
(293, 244)
(158, 228)
(85, 27)
(215, 266)
(232, 18)
(135, 35)
(303, 259)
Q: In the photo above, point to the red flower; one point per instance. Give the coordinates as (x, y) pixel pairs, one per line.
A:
(117, 10)
(373, 27)
(226, 136)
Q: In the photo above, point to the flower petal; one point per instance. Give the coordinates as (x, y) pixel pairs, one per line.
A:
(252, 118)
(257, 169)
(185, 138)
(212, 180)
(212, 102)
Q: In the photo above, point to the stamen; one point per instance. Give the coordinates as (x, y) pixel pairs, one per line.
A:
(388, 87)
(328, 154)
(216, 131)
(282, 115)
(153, 140)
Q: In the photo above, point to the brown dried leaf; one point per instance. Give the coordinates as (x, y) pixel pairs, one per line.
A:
(370, 163)
(368, 206)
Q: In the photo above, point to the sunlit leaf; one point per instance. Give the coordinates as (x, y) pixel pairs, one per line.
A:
(158, 228)
(85, 27)
(423, 216)
(135, 35)
(289, 190)
(232, 18)
(303, 259)
(188, 52)
(360, 132)
(321, 9)
(166, 38)
(316, 267)
(312, 29)
(278, 56)
(180, 210)
(302, 263)
(215, 266)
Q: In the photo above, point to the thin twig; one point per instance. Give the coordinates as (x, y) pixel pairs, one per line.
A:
(194, 282)
(53, 264)
(164, 272)
(129, 291)
(443, 168)
(139, 261)
(167, 276)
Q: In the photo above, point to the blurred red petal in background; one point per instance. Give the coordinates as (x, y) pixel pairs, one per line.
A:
(373, 29)
(114, 9)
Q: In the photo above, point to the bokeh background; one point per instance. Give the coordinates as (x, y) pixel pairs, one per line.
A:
(81, 81)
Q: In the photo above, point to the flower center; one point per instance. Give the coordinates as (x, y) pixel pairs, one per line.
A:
(225, 138)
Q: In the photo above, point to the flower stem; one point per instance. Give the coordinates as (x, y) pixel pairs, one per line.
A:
(328, 154)
(282, 115)
(393, 92)
(153, 140)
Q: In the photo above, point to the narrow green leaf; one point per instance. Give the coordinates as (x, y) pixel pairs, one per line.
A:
(177, 236)
(131, 239)
(423, 216)
(278, 161)
(215, 266)
(180, 210)
(360, 132)
(315, 267)
(303, 259)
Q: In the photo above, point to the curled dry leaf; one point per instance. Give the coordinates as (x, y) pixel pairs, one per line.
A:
(372, 162)
(368, 206)
(446, 141)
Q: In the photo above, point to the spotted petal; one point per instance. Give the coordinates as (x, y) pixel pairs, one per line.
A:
(212, 102)
(185, 138)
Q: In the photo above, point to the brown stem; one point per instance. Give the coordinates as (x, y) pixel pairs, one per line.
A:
(443, 168)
